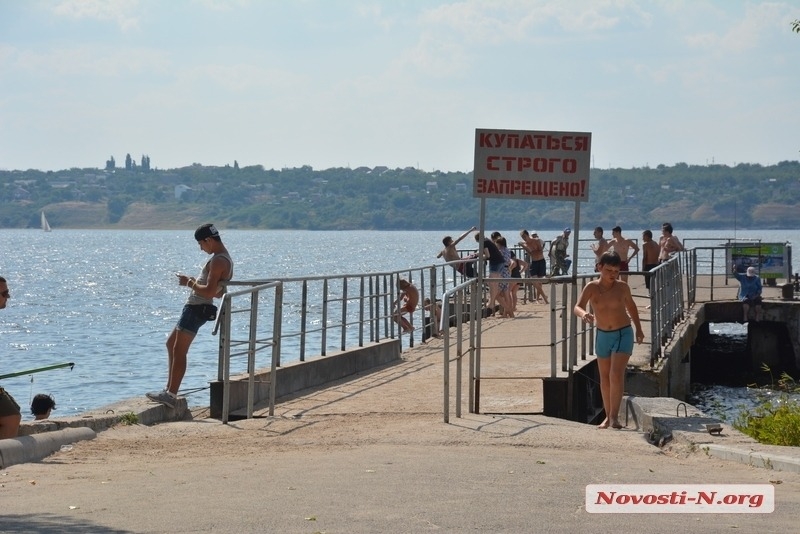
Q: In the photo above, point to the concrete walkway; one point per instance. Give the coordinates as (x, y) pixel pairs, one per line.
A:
(372, 454)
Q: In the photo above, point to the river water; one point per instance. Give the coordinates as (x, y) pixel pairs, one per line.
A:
(107, 299)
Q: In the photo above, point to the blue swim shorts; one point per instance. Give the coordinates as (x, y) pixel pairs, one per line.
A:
(192, 318)
(608, 342)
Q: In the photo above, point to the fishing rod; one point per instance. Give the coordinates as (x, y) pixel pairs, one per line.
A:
(39, 370)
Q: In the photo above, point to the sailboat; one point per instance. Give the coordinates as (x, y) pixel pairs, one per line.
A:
(45, 224)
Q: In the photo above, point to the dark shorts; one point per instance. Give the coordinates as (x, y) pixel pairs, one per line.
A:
(496, 267)
(753, 301)
(192, 318)
(623, 266)
(538, 268)
(8, 406)
(608, 342)
(648, 267)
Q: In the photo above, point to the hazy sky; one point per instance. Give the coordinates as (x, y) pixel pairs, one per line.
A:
(399, 83)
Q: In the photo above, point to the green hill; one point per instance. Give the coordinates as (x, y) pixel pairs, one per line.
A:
(696, 197)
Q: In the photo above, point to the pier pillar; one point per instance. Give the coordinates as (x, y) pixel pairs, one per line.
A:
(764, 344)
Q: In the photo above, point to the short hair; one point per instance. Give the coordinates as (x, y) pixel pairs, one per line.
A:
(667, 227)
(598, 229)
(523, 233)
(648, 233)
(2, 280)
(616, 229)
(610, 257)
(42, 403)
(403, 283)
(446, 240)
(501, 241)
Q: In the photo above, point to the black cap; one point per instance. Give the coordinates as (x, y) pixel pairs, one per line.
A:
(205, 231)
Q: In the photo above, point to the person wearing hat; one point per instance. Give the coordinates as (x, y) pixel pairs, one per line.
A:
(198, 310)
(749, 291)
(559, 264)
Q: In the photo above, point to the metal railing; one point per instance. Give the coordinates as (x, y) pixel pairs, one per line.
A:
(229, 347)
(460, 306)
(312, 315)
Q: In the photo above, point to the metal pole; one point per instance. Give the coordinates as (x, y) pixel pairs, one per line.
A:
(39, 370)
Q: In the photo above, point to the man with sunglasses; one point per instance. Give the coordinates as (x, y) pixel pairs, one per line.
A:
(10, 414)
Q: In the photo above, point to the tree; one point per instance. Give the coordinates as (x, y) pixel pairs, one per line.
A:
(111, 164)
(128, 162)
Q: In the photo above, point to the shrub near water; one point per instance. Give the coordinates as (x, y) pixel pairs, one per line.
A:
(776, 421)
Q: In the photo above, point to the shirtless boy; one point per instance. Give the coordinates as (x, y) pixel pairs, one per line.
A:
(622, 246)
(599, 247)
(538, 266)
(650, 250)
(407, 300)
(669, 243)
(613, 312)
(450, 252)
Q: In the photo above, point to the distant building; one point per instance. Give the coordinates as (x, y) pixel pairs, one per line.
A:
(180, 189)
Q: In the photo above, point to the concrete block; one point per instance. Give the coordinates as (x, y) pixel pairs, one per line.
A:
(38, 446)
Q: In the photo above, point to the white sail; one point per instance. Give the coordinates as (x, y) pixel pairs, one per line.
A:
(45, 224)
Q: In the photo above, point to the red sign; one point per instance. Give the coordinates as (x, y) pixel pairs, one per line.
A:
(532, 164)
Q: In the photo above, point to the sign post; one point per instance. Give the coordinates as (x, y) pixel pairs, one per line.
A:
(534, 165)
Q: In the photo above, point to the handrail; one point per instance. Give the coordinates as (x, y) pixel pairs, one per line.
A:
(253, 343)
(466, 292)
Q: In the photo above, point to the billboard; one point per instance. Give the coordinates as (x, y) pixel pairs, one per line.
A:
(532, 164)
(771, 260)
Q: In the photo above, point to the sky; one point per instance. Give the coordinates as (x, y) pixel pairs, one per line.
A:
(396, 83)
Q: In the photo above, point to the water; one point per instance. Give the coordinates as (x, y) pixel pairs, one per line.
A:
(721, 390)
(107, 299)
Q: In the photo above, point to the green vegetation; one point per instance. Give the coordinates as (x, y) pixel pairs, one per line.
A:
(129, 419)
(139, 196)
(776, 420)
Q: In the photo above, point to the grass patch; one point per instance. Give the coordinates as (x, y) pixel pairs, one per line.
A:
(776, 419)
(129, 418)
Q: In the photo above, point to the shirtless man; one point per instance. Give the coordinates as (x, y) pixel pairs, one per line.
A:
(450, 252)
(669, 243)
(599, 247)
(407, 301)
(650, 250)
(614, 310)
(622, 246)
(538, 266)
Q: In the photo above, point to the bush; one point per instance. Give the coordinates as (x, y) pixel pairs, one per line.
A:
(775, 422)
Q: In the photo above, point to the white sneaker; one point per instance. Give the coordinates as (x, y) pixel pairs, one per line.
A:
(164, 397)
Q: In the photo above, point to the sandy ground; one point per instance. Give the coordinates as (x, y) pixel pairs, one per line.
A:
(370, 454)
